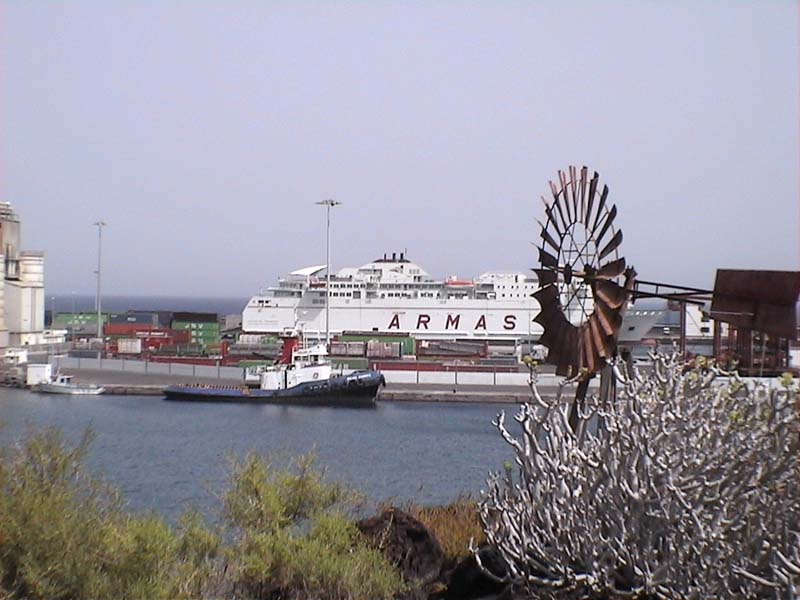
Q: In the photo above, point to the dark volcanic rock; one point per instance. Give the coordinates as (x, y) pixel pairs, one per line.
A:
(467, 581)
(406, 542)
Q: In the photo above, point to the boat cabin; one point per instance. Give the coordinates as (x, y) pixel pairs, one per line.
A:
(308, 365)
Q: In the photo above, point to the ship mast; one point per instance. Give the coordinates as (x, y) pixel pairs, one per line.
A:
(328, 203)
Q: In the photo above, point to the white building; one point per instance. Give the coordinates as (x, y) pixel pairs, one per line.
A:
(21, 286)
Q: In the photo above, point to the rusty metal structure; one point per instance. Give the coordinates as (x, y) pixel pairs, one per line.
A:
(585, 287)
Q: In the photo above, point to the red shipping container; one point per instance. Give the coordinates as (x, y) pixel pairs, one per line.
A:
(125, 329)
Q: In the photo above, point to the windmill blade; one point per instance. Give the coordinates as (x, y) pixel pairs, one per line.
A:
(612, 245)
(568, 359)
(557, 203)
(549, 313)
(584, 179)
(608, 319)
(588, 351)
(610, 293)
(547, 259)
(546, 296)
(547, 237)
(611, 270)
(592, 191)
(612, 214)
(600, 206)
(582, 191)
(545, 277)
(553, 333)
(549, 212)
(573, 183)
(600, 341)
(564, 194)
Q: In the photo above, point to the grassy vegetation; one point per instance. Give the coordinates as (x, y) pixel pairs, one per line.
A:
(64, 534)
(454, 525)
(294, 540)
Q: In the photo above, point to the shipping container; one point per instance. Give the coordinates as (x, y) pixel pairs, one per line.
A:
(407, 342)
(338, 348)
(126, 329)
(134, 316)
(376, 349)
(356, 348)
(129, 346)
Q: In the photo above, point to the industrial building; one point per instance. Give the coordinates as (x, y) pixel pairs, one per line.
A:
(21, 287)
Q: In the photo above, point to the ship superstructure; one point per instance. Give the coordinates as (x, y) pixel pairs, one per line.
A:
(394, 294)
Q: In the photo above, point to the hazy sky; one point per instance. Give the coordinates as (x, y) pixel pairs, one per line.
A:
(203, 132)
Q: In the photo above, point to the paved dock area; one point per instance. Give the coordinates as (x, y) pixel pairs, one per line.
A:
(104, 377)
(126, 382)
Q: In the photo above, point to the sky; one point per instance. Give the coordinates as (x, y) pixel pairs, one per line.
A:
(204, 133)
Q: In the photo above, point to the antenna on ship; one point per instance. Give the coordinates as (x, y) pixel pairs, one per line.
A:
(328, 203)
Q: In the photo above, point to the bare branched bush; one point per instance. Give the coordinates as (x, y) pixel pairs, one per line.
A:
(683, 485)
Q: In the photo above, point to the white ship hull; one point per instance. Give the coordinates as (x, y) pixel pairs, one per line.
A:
(423, 317)
(395, 295)
(70, 389)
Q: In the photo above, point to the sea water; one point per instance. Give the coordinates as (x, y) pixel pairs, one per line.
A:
(169, 456)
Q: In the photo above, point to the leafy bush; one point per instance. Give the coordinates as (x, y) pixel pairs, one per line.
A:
(294, 542)
(684, 485)
(64, 534)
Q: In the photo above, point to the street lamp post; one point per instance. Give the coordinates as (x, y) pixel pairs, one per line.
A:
(72, 320)
(99, 225)
(329, 204)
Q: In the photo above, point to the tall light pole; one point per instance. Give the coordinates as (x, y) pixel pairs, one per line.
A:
(99, 225)
(329, 204)
(72, 320)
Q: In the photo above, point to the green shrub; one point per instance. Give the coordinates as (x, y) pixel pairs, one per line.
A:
(295, 543)
(64, 534)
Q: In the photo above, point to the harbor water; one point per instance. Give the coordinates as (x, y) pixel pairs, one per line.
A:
(170, 456)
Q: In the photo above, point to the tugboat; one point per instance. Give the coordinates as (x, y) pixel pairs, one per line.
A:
(306, 379)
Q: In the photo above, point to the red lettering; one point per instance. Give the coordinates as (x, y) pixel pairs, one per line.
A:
(481, 324)
(395, 322)
(423, 320)
(510, 322)
(452, 321)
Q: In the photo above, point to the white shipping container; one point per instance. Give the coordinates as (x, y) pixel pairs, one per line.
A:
(355, 348)
(338, 348)
(38, 374)
(129, 346)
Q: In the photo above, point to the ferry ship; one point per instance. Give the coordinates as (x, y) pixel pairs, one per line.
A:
(395, 295)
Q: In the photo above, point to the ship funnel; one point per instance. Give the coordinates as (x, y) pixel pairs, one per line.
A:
(394, 255)
(401, 256)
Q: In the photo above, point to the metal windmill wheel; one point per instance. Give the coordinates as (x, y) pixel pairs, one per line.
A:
(584, 283)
